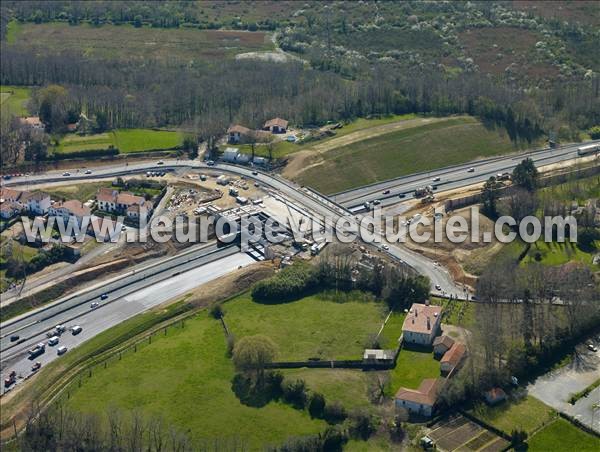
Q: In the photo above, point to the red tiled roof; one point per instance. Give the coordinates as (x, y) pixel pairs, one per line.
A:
(425, 395)
(32, 121)
(74, 207)
(239, 129)
(282, 123)
(454, 355)
(416, 320)
(129, 199)
(36, 196)
(10, 194)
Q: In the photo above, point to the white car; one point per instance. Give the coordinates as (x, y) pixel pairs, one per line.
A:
(436, 179)
(438, 287)
(61, 350)
(386, 247)
(53, 340)
(160, 162)
(471, 170)
(94, 305)
(592, 348)
(66, 174)
(88, 171)
(76, 330)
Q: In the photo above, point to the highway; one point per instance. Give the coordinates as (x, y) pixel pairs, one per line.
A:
(450, 178)
(123, 303)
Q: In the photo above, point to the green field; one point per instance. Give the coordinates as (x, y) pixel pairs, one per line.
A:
(81, 192)
(557, 254)
(185, 379)
(411, 368)
(127, 42)
(140, 140)
(560, 434)
(13, 100)
(526, 414)
(347, 386)
(125, 140)
(402, 152)
(311, 327)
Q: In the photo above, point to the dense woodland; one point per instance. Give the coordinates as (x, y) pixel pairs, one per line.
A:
(326, 85)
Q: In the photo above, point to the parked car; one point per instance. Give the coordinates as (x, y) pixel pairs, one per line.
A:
(76, 330)
(66, 174)
(53, 341)
(592, 348)
(36, 366)
(438, 287)
(61, 350)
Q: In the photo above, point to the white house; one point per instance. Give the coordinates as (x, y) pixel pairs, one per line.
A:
(419, 401)
(69, 209)
(110, 200)
(422, 324)
(37, 203)
(237, 133)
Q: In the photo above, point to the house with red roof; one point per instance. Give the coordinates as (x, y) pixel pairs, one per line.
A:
(419, 401)
(453, 358)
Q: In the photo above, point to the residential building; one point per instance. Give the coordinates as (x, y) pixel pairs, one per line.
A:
(10, 195)
(378, 356)
(419, 401)
(33, 122)
(230, 155)
(37, 203)
(276, 125)
(69, 209)
(441, 345)
(110, 200)
(9, 209)
(453, 358)
(237, 133)
(422, 324)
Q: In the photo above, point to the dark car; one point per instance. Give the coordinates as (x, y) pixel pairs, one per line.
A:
(104, 296)
(402, 195)
(386, 192)
(14, 338)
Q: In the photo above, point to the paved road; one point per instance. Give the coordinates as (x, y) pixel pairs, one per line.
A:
(450, 178)
(121, 306)
(32, 324)
(555, 388)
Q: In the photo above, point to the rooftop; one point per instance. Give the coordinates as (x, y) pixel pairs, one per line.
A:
(425, 395)
(421, 318)
(454, 355)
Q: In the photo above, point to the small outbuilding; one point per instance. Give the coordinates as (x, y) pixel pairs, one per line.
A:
(441, 345)
(453, 358)
(276, 125)
(495, 396)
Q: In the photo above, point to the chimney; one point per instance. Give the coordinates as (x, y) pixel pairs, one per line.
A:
(428, 323)
(416, 312)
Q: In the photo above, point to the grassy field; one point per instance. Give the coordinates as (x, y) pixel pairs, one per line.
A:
(311, 327)
(392, 331)
(185, 378)
(411, 368)
(347, 386)
(81, 192)
(127, 42)
(560, 433)
(126, 140)
(394, 154)
(13, 100)
(579, 190)
(524, 414)
(557, 254)
(139, 140)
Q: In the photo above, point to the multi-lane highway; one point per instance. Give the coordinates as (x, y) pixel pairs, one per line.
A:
(449, 178)
(128, 296)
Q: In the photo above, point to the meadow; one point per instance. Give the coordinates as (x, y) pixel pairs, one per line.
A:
(422, 148)
(13, 100)
(312, 327)
(555, 436)
(125, 140)
(185, 378)
(127, 42)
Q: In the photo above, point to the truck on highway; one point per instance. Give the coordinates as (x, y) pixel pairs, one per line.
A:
(588, 149)
(423, 191)
(11, 379)
(37, 350)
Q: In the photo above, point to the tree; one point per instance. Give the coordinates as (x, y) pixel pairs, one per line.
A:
(490, 196)
(53, 107)
(525, 174)
(253, 353)
(294, 392)
(594, 132)
(316, 405)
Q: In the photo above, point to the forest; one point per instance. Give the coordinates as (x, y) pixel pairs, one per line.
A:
(321, 84)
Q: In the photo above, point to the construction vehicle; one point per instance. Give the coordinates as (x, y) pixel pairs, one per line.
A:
(423, 191)
(428, 199)
(37, 350)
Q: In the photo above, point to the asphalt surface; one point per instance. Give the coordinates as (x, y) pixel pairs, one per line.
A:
(122, 304)
(555, 388)
(450, 178)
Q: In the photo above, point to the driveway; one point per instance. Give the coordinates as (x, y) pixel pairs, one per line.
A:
(555, 388)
